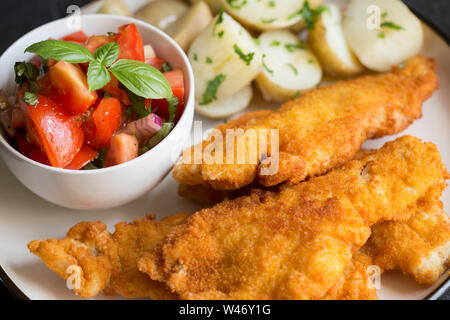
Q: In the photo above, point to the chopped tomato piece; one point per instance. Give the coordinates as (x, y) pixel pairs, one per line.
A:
(71, 87)
(95, 42)
(82, 158)
(77, 37)
(105, 120)
(155, 62)
(114, 91)
(30, 150)
(59, 135)
(130, 42)
(122, 148)
(176, 81)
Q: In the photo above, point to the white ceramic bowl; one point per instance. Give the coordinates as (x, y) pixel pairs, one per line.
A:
(113, 186)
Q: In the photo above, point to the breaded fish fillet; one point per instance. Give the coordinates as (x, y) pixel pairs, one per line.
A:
(353, 284)
(320, 130)
(419, 247)
(294, 244)
(108, 262)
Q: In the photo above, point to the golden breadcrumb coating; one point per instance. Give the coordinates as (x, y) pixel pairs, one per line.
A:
(419, 247)
(108, 262)
(294, 244)
(320, 130)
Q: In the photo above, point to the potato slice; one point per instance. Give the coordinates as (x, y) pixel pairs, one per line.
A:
(289, 66)
(265, 14)
(399, 37)
(190, 25)
(224, 58)
(215, 5)
(162, 13)
(229, 106)
(328, 43)
(115, 7)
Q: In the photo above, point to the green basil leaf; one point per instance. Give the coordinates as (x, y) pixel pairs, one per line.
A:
(30, 98)
(157, 137)
(97, 76)
(25, 71)
(107, 54)
(61, 50)
(138, 105)
(172, 107)
(141, 79)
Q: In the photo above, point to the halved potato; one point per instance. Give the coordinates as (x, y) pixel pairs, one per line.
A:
(224, 58)
(190, 25)
(289, 67)
(399, 37)
(115, 7)
(162, 13)
(215, 5)
(328, 43)
(265, 14)
(227, 107)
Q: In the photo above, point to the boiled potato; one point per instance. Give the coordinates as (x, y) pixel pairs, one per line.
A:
(397, 38)
(328, 43)
(299, 26)
(115, 7)
(289, 67)
(162, 13)
(215, 5)
(227, 107)
(191, 24)
(265, 14)
(224, 58)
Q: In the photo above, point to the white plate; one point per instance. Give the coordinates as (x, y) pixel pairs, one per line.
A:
(24, 216)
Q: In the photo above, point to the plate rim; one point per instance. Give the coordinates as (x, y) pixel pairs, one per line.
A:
(436, 294)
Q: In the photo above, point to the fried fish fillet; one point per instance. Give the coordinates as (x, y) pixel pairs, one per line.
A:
(419, 247)
(320, 130)
(295, 244)
(108, 262)
(354, 283)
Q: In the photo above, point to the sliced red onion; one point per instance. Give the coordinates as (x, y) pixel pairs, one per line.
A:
(5, 119)
(144, 128)
(17, 118)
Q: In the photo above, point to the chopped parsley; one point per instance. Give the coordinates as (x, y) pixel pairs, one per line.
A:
(292, 47)
(388, 24)
(219, 20)
(402, 64)
(247, 58)
(236, 4)
(294, 69)
(208, 60)
(309, 15)
(265, 65)
(195, 56)
(271, 4)
(268, 21)
(256, 41)
(211, 89)
(297, 94)
(221, 33)
(391, 25)
(275, 43)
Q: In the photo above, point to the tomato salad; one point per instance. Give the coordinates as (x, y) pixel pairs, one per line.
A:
(92, 102)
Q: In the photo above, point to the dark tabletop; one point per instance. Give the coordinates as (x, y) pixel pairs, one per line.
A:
(21, 16)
